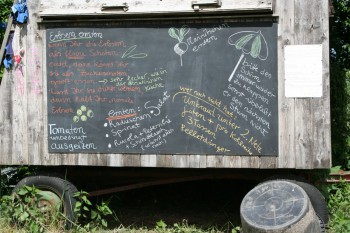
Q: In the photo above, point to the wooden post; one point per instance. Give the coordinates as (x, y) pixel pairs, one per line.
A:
(6, 37)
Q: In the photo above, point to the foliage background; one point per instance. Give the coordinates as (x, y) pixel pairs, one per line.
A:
(340, 82)
(5, 8)
(339, 194)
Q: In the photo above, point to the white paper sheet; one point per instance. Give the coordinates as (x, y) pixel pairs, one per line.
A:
(303, 71)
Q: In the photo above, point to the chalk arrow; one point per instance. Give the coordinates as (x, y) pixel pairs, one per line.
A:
(104, 81)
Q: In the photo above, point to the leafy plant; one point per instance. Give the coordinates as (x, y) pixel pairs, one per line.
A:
(340, 82)
(11, 175)
(22, 210)
(184, 227)
(91, 219)
(161, 225)
(338, 205)
(5, 6)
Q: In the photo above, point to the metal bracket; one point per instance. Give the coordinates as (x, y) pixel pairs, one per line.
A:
(123, 7)
(196, 5)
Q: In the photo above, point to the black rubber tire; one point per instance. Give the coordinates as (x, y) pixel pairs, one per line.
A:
(62, 188)
(316, 198)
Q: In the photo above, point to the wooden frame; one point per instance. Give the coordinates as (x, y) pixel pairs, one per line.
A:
(304, 123)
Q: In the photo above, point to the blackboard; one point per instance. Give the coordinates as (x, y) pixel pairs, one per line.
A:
(167, 88)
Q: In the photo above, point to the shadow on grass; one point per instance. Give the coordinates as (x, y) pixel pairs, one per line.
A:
(205, 204)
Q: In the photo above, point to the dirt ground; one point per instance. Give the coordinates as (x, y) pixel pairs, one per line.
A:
(202, 203)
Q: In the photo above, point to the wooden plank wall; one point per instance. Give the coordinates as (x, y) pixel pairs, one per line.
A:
(52, 8)
(304, 123)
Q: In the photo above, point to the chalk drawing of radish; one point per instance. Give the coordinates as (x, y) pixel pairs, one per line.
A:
(249, 42)
(181, 47)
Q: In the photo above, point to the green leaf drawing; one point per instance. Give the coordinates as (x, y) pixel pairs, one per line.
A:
(241, 42)
(128, 53)
(173, 32)
(183, 31)
(256, 47)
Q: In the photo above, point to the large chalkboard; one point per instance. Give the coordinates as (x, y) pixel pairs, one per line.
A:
(179, 88)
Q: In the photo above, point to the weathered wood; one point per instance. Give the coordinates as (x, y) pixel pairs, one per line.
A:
(6, 37)
(81, 8)
(6, 119)
(197, 161)
(323, 153)
(114, 160)
(20, 100)
(148, 160)
(232, 161)
(268, 163)
(131, 160)
(286, 159)
(181, 161)
(214, 161)
(309, 29)
(34, 90)
(250, 162)
(304, 124)
(165, 160)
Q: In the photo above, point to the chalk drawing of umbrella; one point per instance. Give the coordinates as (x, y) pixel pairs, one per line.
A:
(249, 42)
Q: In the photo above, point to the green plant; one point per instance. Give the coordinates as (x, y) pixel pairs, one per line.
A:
(338, 205)
(184, 227)
(5, 6)
(339, 82)
(91, 219)
(1, 72)
(27, 209)
(22, 209)
(11, 175)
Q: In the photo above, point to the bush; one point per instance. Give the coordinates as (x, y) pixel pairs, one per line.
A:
(23, 211)
(338, 206)
(10, 176)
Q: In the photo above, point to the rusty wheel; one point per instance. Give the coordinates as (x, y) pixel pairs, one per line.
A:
(56, 194)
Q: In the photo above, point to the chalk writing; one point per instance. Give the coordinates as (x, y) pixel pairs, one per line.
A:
(206, 119)
(71, 139)
(254, 107)
(72, 35)
(119, 90)
(155, 109)
(206, 36)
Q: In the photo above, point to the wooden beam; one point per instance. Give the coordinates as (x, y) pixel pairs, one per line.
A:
(147, 184)
(6, 37)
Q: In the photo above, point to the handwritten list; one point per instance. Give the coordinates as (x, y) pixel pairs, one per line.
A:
(200, 88)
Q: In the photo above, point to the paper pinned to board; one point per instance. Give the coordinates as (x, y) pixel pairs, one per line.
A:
(303, 71)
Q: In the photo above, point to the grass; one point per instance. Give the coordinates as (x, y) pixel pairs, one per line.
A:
(160, 227)
(338, 206)
(164, 220)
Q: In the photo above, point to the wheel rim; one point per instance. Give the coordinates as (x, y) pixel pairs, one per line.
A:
(49, 201)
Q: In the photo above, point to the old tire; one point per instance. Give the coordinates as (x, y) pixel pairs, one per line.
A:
(276, 207)
(54, 188)
(316, 198)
